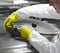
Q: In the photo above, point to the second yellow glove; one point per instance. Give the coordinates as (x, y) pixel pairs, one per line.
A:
(24, 31)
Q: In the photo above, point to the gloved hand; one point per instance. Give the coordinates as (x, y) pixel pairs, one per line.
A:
(24, 31)
(10, 19)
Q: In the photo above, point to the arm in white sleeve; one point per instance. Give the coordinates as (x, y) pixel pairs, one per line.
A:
(42, 44)
(39, 10)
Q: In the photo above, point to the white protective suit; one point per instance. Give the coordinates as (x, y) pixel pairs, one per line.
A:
(39, 10)
(42, 44)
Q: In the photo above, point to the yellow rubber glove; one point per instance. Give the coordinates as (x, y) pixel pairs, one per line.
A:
(10, 19)
(24, 31)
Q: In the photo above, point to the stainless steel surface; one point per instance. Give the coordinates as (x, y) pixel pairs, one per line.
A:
(41, 27)
(11, 45)
(16, 4)
(41, 1)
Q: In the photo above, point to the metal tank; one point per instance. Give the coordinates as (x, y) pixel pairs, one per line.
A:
(9, 44)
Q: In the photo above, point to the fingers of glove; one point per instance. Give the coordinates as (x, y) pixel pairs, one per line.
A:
(8, 20)
(5, 22)
(9, 23)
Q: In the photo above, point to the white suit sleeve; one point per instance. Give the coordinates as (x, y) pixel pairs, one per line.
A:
(42, 44)
(39, 10)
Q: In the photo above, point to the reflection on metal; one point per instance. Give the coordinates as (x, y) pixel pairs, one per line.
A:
(14, 5)
(17, 2)
(41, 1)
(24, 2)
(42, 27)
(10, 45)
